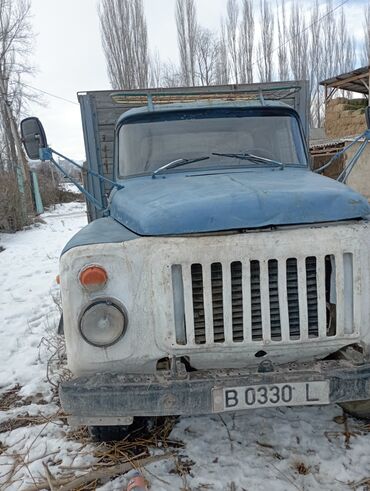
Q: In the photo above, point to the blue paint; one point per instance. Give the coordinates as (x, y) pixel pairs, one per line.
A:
(194, 202)
(100, 231)
(198, 109)
(45, 153)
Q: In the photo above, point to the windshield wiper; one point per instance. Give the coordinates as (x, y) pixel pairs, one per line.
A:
(178, 163)
(250, 156)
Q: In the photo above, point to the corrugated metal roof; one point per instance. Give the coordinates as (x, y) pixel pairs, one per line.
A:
(331, 142)
(354, 81)
(326, 142)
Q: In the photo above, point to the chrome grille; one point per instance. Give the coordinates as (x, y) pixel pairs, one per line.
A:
(259, 300)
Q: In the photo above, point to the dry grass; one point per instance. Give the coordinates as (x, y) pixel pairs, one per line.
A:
(10, 204)
(11, 398)
(302, 468)
(27, 420)
(362, 485)
(111, 458)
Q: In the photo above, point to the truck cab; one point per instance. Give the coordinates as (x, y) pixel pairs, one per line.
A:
(225, 276)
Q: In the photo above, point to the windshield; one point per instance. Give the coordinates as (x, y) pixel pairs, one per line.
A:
(153, 142)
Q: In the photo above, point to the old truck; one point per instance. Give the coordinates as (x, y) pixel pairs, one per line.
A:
(218, 272)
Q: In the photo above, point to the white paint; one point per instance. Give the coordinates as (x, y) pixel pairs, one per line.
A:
(139, 274)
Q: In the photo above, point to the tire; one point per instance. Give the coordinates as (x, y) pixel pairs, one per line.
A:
(118, 433)
(358, 409)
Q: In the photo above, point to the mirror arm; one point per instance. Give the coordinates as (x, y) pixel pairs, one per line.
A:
(365, 134)
(93, 173)
(343, 176)
(89, 196)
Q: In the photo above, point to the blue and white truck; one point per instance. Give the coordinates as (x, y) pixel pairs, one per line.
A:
(218, 272)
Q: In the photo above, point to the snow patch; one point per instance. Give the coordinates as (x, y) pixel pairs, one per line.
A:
(282, 449)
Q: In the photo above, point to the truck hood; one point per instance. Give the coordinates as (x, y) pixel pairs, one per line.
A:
(195, 202)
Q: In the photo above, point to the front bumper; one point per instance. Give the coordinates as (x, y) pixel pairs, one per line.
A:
(111, 398)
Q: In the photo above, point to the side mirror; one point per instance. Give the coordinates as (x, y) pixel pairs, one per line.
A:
(33, 137)
(367, 116)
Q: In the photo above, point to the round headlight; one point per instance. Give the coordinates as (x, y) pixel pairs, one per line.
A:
(103, 323)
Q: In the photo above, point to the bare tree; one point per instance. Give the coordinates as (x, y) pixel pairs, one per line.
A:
(365, 57)
(264, 50)
(299, 42)
(207, 53)
(171, 75)
(246, 42)
(222, 65)
(155, 70)
(187, 34)
(232, 36)
(125, 42)
(329, 60)
(315, 63)
(345, 48)
(182, 39)
(15, 46)
(282, 51)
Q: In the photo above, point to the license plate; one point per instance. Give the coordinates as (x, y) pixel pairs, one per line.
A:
(270, 395)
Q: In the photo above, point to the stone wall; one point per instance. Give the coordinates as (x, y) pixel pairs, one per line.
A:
(345, 117)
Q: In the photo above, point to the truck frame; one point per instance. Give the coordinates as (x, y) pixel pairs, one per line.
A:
(218, 272)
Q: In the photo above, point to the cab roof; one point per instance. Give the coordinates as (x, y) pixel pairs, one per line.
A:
(191, 106)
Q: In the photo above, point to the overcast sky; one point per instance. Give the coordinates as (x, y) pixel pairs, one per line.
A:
(69, 57)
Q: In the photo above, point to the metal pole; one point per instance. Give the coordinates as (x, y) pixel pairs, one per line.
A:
(83, 191)
(96, 174)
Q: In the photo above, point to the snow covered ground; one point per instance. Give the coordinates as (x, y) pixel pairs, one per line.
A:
(273, 449)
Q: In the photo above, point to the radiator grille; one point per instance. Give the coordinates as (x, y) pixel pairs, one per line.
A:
(259, 300)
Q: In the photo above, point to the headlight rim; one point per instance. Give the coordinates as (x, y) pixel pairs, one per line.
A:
(108, 301)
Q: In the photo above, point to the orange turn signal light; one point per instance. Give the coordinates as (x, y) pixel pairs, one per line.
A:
(57, 279)
(93, 277)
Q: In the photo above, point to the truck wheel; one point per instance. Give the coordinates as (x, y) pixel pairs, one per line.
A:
(358, 409)
(117, 433)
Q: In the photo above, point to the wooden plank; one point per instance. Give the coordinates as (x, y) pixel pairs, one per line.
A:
(107, 148)
(343, 82)
(106, 136)
(109, 116)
